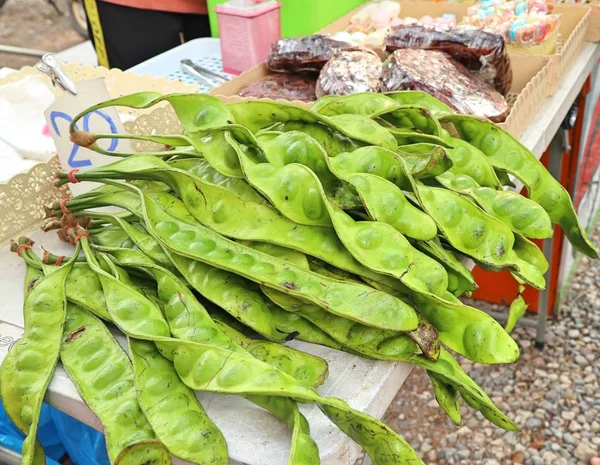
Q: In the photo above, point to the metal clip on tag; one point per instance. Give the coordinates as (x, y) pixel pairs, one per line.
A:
(49, 66)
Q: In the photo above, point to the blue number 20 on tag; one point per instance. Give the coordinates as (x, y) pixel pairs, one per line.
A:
(58, 115)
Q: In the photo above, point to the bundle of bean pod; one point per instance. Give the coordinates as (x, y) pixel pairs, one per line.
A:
(346, 225)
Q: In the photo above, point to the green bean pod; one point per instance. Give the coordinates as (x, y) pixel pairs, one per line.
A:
(446, 368)
(175, 414)
(517, 309)
(508, 154)
(520, 214)
(199, 243)
(246, 221)
(367, 341)
(466, 330)
(104, 378)
(460, 279)
(404, 136)
(211, 368)
(202, 169)
(386, 203)
(447, 396)
(421, 99)
(469, 331)
(468, 160)
(260, 114)
(333, 143)
(475, 233)
(188, 320)
(369, 241)
(425, 160)
(291, 322)
(306, 368)
(27, 369)
(225, 289)
(363, 103)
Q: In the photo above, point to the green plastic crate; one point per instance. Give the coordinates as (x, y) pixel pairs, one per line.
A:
(299, 17)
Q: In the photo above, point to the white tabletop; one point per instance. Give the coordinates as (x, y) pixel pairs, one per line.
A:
(539, 133)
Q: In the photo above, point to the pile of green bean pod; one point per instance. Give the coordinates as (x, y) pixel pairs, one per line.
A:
(347, 224)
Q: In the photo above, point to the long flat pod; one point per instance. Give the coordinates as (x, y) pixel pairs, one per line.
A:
(508, 154)
(178, 419)
(226, 214)
(520, 214)
(375, 344)
(422, 99)
(363, 103)
(82, 285)
(369, 242)
(351, 300)
(466, 330)
(186, 319)
(27, 369)
(201, 168)
(475, 233)
(213, 369)
(206, 367)
(104, 378)
(425, 160)
(229, 291)
(259, 114)
(460, 279)
(306, 368)
(447, 397)
(332, 142)
(468, 160)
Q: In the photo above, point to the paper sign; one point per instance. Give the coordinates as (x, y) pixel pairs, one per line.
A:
(106, 120)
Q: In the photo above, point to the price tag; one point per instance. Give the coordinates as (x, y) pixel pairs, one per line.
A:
(59, 116)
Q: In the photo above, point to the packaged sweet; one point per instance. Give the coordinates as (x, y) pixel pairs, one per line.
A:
(525, 23)
(305, 53)
(482, 51)
(374, 16)
(447, 80)
(369, 25)
(350, 72)
(447, 19)
(282, 86)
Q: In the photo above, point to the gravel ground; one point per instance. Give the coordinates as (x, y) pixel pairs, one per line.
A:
(553, 394)
(34, 24)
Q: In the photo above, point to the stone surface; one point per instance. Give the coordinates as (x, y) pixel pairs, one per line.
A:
(585, 452)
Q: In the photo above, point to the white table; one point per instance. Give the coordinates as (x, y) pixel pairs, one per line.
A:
(253, 436)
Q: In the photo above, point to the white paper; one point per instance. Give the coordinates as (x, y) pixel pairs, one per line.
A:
(59, 116)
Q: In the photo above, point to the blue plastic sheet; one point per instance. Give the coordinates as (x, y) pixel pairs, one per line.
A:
(59, 434)
(84, 445)
(11, 438)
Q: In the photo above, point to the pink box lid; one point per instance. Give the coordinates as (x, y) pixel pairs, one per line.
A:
(226, 8)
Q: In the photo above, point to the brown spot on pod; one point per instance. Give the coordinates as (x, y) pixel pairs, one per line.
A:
(75, 334)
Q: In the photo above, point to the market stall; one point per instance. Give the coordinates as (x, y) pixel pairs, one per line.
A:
(360, 207)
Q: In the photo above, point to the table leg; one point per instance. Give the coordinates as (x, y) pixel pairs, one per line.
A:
(554, 167)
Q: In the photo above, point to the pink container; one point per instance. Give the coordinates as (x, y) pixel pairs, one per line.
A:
(247, 34)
